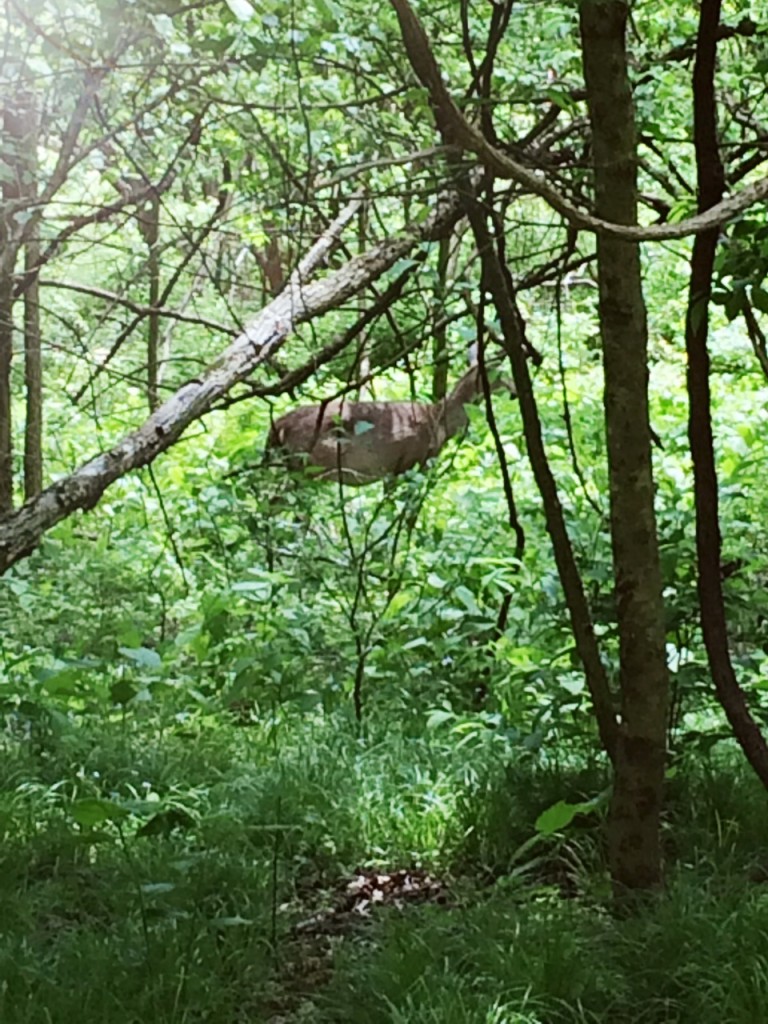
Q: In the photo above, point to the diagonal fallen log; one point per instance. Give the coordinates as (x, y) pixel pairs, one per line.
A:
(301, 300)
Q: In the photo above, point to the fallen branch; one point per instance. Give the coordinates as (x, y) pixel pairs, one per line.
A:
(301, 300)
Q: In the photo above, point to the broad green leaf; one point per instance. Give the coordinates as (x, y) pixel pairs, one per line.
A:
(143, 656)
(734, 304)
(439, 717)
(93, 811)
(258, 590)
(122, 692)
(557, 817)
(436, 581)
(467, 598)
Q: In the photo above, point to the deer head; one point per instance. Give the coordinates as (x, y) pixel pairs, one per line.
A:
(361, 442)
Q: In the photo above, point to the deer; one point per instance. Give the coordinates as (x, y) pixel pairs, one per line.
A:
(359, 443)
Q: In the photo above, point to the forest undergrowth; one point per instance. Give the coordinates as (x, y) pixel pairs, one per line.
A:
(200, 870)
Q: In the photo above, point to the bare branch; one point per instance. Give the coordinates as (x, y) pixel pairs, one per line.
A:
(135, 198)
(137, 307)
(385, 161)
(757, 337)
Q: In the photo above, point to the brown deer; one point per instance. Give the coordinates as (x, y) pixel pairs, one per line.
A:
(361, 442)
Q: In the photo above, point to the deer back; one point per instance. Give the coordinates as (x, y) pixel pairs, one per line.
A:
(361, 442)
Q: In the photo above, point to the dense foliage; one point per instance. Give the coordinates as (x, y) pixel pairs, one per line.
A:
(228, 691)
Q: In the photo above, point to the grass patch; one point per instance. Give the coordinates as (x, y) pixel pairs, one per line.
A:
(180, 908)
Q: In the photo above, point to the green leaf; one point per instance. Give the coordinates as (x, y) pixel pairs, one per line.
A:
(734, 304)
(439, 717)
(557, 817)
(418, 641)
(122, 692)
(398, 602)
(157, 888)
(94, 811)
(258, 590)
(65, 683)
(760, 298)
(143, 656)
(560, 98)
(467, 598)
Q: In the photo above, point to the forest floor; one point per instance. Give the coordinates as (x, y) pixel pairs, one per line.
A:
(173, 871)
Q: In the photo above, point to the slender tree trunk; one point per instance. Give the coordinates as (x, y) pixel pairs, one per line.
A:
(498, 284)
(149, 225)
(711, 185)
(634, 823)
(362, 364)
(33, 362)
(270, 259)
(12, 189)
(33, 375)
(440, 354)
(6, 356)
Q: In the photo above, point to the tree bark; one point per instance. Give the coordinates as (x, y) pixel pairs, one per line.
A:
(33, 375)
(440, 355)
(33, 358)
(149, 226)
(12, 190)
(6, 358)
(634, 821)
(711, 185)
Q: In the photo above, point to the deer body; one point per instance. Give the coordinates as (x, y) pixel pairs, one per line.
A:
(361, 442)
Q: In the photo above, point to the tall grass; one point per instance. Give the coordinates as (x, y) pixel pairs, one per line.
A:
(180, 908)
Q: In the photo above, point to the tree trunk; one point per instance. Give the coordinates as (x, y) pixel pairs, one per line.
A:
(440, 354)
(149, 226)
(634, 822)
(711, 185)
(33, 375)
(13, 188)
(6, 356)
(33, 360)
(498, 284)
(361, 369)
